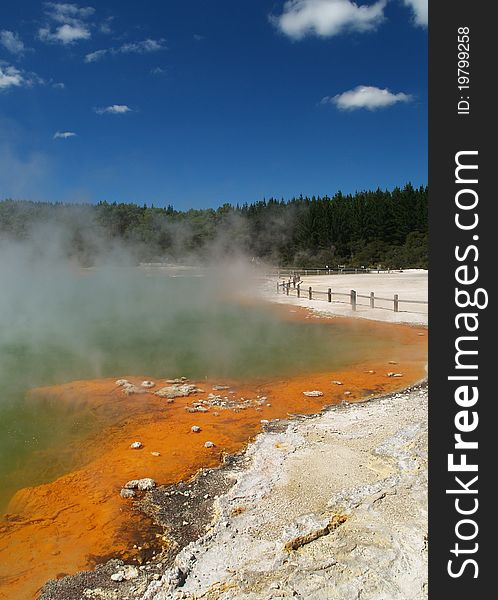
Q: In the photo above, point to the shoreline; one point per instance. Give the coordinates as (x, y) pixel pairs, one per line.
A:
(269, 534)
(290, 527)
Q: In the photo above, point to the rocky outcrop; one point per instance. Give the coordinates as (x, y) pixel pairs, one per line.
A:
(140, 484)
(177, 391)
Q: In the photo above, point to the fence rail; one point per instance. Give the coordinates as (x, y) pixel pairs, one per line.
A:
(331, 271)
(340, 270)
(294, 288)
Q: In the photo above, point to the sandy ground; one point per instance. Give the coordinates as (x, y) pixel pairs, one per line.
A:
(409, 285)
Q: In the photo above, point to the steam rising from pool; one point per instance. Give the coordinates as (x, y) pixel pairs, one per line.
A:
(61, 322)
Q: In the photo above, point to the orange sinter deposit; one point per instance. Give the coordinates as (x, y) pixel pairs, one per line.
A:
(80, 519)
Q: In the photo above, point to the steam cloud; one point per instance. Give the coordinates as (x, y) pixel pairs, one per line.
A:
(50, 302)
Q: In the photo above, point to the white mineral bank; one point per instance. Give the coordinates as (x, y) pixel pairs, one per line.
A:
(411, 284)
(366, 462)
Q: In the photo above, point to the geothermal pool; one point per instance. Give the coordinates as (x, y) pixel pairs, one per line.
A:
(110, 324)
(66, 427)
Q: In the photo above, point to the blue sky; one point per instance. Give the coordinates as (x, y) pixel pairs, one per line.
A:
(196, 103)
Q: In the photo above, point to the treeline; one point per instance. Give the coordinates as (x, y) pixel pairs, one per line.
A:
(371, 228)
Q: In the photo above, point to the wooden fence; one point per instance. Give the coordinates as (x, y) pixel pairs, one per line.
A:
(340, 270)
(352, 298)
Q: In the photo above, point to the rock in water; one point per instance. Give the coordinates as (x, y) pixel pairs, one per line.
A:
(126, 493)
(196, 408)
(129, 389)
(177, 380)
(141, 484)
(195, 429)
(146, 484)
(136, 445)
(131, 485)
(313, 393)
(148, 384)
(177, 391)
(208, 445)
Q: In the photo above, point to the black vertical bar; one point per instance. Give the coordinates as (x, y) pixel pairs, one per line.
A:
(460, 121)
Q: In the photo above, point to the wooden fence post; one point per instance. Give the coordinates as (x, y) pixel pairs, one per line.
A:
(353, 299)
(278, 288)
(372, 300)
(299, 291)
(330, 294)
(396, 303)
(287, 288)
(310, 293)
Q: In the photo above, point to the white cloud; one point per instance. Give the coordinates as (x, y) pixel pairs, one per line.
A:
(141, 47)
(114, 109)
(65, 34)
(148, 45)
(71, 21)
(95, 56)
(11, 77)
(158, 71)
(64, 135)
(326, 18)
(420, 11)
(12, 42)
(365, 96)
(64, 12)
(59, 85)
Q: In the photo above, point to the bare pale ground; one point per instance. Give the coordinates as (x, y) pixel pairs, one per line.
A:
(409, 285)
(332, 507)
